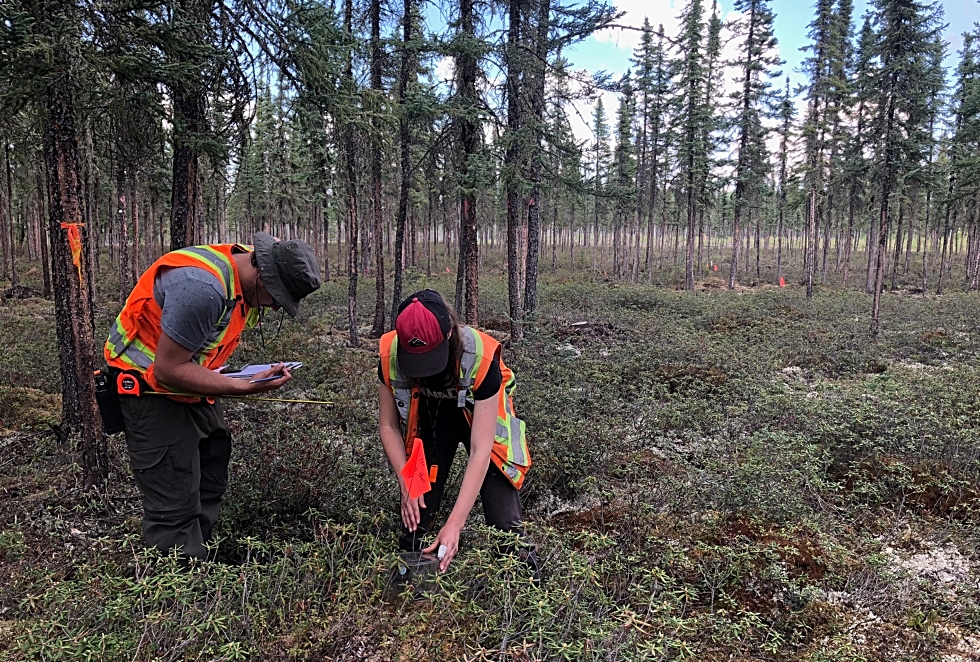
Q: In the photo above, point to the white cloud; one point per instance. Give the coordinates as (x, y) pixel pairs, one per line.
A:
(445, 69)
(657, 11)
(580, 116)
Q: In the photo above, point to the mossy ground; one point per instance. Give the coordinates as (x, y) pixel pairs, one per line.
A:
(718, 476)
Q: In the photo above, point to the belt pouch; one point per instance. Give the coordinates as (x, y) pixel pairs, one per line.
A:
(105, 396)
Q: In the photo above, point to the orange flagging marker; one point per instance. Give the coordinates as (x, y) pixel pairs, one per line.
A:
(75, 243)
(416, 471)
(782, 282)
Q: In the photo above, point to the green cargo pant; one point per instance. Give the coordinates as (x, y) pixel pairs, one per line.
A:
(179, 455)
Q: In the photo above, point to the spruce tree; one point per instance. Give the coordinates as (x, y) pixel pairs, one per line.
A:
(467, 112)
(816, 127)
(537, 75)
(691, 83)
(405, 138)
(599, 164)
(653, 87)
(964, 148)
(786, 114)
(515, 155)
(855, 165)
(622, 189)
(755, 63)
(907, 29)
(41, 45)
(377, 103)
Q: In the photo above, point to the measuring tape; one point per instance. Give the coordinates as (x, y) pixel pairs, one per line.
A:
(244, 397)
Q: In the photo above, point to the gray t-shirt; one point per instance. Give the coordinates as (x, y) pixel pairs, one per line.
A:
(192, 300)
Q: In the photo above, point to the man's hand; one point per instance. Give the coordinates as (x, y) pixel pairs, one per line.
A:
(174, 368)
(448, 536)
(272, 384)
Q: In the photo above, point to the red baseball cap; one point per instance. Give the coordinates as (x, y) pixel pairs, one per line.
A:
(423, 326)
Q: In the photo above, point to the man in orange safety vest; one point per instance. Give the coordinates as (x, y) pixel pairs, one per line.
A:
(180, 324)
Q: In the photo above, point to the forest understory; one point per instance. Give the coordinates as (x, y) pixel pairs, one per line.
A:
(718, 475)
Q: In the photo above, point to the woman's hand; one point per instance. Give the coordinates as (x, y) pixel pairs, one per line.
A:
(411, 515)
(449, 537)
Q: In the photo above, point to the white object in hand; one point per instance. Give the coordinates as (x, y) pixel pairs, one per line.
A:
(249, 371)
(442, 551)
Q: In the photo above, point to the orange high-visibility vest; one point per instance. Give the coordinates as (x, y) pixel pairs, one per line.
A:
(510, 452)
(133, 339)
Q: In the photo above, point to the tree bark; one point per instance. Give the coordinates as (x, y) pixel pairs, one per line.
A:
(470, 136)
(512, 165)
(10, 216)
(350, 163)
(76, 339)
(189, 125)
(404, 139)
(42, 234)
(537, 158)
(378, 327)
(122, 217)
(6, 227)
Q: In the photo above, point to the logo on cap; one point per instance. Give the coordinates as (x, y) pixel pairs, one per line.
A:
(417, 342)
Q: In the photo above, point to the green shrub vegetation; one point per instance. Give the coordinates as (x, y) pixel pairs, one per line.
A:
(717, 476)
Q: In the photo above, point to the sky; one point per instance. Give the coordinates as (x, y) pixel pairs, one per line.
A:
(610, 50)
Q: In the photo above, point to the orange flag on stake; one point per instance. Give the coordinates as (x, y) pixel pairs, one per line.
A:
(782, 282)
(416, 471)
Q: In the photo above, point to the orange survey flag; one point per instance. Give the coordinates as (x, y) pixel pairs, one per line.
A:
(416, 471)
(782, 282)
(75, 243)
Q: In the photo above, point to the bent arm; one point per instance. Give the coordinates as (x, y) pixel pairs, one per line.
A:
(173, 366)
(394, 445)
(388, 427)
(481, 445)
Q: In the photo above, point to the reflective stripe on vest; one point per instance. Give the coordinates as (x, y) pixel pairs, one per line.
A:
(138, 355)
(510, 452)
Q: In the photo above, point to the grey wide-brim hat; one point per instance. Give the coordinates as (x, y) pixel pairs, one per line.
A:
(289, 269)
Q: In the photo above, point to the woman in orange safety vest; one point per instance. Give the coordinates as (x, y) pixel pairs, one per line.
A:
(445, 384)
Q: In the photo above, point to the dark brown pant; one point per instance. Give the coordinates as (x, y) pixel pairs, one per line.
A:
(179, 455)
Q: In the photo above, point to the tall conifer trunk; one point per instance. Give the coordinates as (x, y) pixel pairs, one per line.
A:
(404, 139)
(743, 141)
(189, 123)
(470, 138)
(378, 327)
(76, 339)
(350, 180)
(122, 217)
(537, 157)
(6, 224)
(10, 214)
(885, 193)
(42, 206)
(512, 165)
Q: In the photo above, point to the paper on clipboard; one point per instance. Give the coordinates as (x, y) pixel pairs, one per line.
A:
(249, 371)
